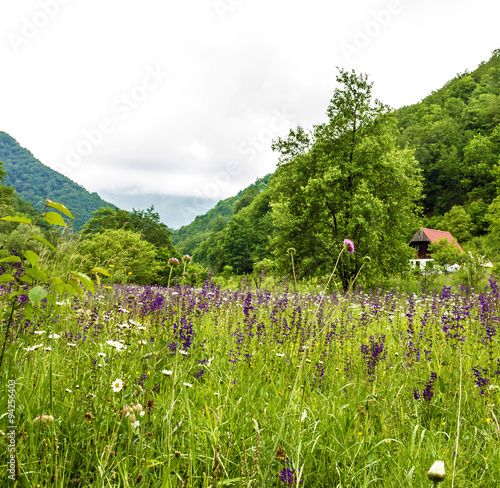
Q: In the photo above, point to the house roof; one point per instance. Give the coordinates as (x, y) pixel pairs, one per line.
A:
(432, 235)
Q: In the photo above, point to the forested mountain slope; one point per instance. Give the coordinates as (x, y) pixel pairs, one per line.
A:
(34, 182)
(456, 135)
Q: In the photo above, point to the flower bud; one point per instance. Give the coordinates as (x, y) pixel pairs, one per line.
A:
(436, 473)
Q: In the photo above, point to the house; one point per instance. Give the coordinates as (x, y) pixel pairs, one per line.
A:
(421, 240)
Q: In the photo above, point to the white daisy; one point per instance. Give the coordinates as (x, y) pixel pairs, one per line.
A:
(117, 385)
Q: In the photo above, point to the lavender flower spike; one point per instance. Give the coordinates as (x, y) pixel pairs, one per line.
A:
(349, 245)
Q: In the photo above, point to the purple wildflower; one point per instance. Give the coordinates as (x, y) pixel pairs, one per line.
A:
(349, 245)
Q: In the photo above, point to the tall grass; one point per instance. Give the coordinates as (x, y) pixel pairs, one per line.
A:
(256, 388)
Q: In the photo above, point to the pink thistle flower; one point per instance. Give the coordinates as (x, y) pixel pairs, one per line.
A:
(173, 262)
(349, 245)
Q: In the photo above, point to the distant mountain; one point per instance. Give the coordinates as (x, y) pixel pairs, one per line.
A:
(189, 237)
(34, 182)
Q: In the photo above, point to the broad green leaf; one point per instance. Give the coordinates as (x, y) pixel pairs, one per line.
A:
(54, 218)
(51, 300)
(60, 207)
(74, 287)
(36, 273)
(11, 259)
(85, 280)
(43, 241)
(37, 294)
(32, 257)
(23, 220)
(26, 279)
(100, 270)
(4, 278)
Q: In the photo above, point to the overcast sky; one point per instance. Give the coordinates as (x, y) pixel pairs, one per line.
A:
(174, 103)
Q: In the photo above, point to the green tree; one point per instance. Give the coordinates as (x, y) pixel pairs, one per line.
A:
(346, 180)
(144, 222)
(445, 254)
(458, 223)
(237, 246)
(492, 217)
(130, 258)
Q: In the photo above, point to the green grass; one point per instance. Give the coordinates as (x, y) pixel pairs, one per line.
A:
(281, 387)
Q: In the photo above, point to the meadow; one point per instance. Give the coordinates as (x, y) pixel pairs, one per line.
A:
(255, 387)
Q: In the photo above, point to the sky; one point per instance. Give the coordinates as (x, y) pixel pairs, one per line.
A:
(175, 103)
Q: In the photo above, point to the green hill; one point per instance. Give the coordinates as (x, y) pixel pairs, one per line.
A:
(34, 182)
(456, 135)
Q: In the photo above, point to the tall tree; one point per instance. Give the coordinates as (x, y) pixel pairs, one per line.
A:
(347, 179)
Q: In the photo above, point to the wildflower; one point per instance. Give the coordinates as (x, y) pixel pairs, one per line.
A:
(69, 391)
(279, 355)
(88, 417)
(102, 354)
(186, 258)
(39, 332)
(167, 372)
(135, 424)
(132, 418)
(55, 336)
(138, 408)
(116, 344)
(436, 473)
(71, 344)
(349, 246)
(188, 385)
(173, 262)
(117, 385)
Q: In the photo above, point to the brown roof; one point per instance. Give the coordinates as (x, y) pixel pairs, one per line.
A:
(432, 235)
